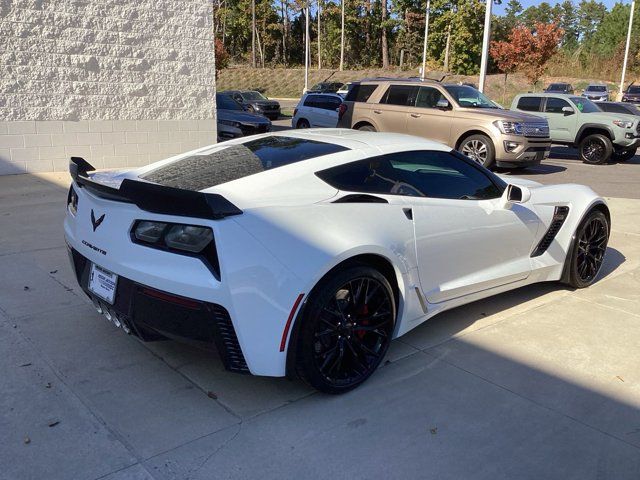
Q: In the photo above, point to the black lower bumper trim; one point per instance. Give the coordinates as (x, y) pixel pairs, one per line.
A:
(153, 314)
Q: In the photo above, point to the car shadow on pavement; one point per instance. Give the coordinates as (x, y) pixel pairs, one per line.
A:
(541, 169)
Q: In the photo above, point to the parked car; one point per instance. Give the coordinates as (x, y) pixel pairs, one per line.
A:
(234, 121)
(256, 102)
(317, 110)
(344, 89)
(559, 87)
(578, 122)
(326, 87)
(596, 92)
(632, 94)
(456, 115)
(306, 252)
(619, 107)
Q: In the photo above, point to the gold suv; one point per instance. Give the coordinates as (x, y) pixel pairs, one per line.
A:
(456, 115)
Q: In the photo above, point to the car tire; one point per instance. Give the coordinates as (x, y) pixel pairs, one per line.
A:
(587, 251)
(302, 123)
(595, 149)
(480, 149)
(366, 128)
(345, 329)
(623, 155)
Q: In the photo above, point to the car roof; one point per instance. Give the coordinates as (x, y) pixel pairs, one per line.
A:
(354, 139)
(400, 81)
(547, 94)
(331, 94)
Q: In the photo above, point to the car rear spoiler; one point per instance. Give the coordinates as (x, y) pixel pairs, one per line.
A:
(155, 198)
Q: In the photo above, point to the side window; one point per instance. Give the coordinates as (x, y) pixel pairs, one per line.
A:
(237, 97)
(333, 103)
(360, 93)
(529, 104)
(400, 95)
(310, 101)
(428, 97)
(416, 174)
(555, 105)
(327, 102)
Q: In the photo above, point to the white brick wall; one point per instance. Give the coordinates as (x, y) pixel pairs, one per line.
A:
(119, 82)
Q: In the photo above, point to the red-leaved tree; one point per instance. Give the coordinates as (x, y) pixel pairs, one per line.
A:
(222, 57)
(527, 50)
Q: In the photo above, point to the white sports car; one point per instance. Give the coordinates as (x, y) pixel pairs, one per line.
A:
(307, 252)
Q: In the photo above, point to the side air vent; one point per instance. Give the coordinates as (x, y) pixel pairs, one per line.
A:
(360, 198)
(559, 216)
(227, 341)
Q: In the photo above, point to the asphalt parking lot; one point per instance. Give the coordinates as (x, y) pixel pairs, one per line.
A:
(539, 383)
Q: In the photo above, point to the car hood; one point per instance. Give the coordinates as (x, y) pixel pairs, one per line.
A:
(263, 103)
(635, 96)
(498, 114)
(609, 117)
(242, 117)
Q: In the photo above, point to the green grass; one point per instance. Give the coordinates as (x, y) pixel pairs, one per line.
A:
(289, 82)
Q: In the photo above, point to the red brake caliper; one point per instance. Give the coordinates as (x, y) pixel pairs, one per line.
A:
(364, 311)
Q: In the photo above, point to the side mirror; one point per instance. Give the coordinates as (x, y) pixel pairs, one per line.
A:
(516, 194)
(443, 103)
(568, 110)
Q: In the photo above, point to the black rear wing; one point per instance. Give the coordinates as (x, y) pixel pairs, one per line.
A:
(155, 198)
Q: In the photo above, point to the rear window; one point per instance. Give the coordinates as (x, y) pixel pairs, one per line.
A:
(529, 104)
(198, 172)
(360, 93)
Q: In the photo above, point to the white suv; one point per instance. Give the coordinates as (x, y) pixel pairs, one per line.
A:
(317, 110)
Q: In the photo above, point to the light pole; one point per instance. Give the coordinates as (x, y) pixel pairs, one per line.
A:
(306, 49)
(426, 35)
(486, 36)
(342, 39)
(626, 51)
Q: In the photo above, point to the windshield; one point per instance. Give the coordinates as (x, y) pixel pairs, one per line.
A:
(584, 105)
(253, 96)
(557, 86)
(596, 88)
(225, 102)
(469, 97)
(633, 89)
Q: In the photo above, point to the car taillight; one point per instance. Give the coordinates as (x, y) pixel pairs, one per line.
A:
(72, 201)
(342, 109)
(295, 111)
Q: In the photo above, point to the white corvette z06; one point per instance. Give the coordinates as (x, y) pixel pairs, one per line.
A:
(307, 252)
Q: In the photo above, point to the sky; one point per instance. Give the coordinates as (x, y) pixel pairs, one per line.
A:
(499, 9)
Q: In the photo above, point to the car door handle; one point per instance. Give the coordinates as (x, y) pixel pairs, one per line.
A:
(377, 111)
(416, 115)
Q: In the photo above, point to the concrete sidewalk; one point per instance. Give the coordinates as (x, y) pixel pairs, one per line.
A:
(540, 383)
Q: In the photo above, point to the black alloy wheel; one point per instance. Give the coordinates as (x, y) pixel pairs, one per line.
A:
(590, 245)
(346, 331)
(596, 149)
(302, 123)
